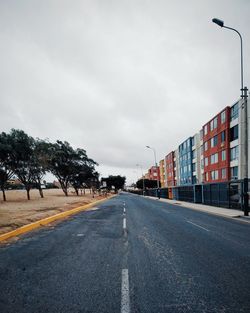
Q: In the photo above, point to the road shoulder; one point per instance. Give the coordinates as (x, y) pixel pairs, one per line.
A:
(45, 221)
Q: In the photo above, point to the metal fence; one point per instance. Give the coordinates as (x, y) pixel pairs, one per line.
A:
(227, 194)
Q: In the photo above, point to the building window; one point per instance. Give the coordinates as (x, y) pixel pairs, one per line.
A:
(192, 141)
(234, 111)
(201, 133)
(223, 117)
(234, 153)
(206, 176)
(206, 161)
(214, 141)
(205, 146)
(202, 163)
(223, 136)
(211, 125)
(194, 179)
(205, 130)
(234, 172)
(224, 173)
(214, 158)
(234, 133)
(214, 123)
(194, 167)
(223, 155)
(214, 175)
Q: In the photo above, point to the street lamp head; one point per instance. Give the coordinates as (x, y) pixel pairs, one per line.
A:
(148, 147)
(218, 22)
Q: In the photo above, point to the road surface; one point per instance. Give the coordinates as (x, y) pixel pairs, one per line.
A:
(131, 254)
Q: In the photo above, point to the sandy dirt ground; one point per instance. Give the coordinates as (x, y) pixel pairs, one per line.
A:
(18, 211)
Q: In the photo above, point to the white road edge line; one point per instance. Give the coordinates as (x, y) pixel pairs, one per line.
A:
(125, 301)
(124, 223)
(198, 226)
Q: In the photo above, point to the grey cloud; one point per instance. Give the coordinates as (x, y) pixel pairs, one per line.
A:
(114, 76)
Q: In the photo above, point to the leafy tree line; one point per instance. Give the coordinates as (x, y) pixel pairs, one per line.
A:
(29, 159)
(148, 183)
(117, 182)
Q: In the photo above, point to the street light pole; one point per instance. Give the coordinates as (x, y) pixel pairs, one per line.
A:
(221, 24)
(143, 182)
(158, 186)
(244, 106)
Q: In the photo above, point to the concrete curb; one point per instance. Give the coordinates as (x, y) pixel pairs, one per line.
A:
(29, 227)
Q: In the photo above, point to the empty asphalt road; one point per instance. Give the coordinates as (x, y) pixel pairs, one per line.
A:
(131, 254)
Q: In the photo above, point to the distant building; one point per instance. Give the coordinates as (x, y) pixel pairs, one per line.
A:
(56, 183)
(14, 181)
(162, 173)
(170, 169)
(154, 173)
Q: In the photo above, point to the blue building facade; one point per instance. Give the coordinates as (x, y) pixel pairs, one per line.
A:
(185, 162)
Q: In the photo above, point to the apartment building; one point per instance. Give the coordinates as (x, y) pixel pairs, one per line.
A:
(162, 173)
(170, 169)
(217, 153)
(154, 173)
(216, 147)
(185, 162)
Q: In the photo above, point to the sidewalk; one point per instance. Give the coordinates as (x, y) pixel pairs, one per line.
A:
(230, 213)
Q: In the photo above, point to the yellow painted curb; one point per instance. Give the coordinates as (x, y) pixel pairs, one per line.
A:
(47, 220)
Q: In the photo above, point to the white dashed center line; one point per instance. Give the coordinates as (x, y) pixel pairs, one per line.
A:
(124, 223)
(125, 301)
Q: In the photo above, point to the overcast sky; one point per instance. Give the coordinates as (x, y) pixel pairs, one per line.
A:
(114, 76)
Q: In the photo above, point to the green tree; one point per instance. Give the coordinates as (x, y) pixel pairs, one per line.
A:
(39, 162)
(148, 183)
(117, 181)
(6, 171)
(21, 157)
(60, 158)
(83, 170)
